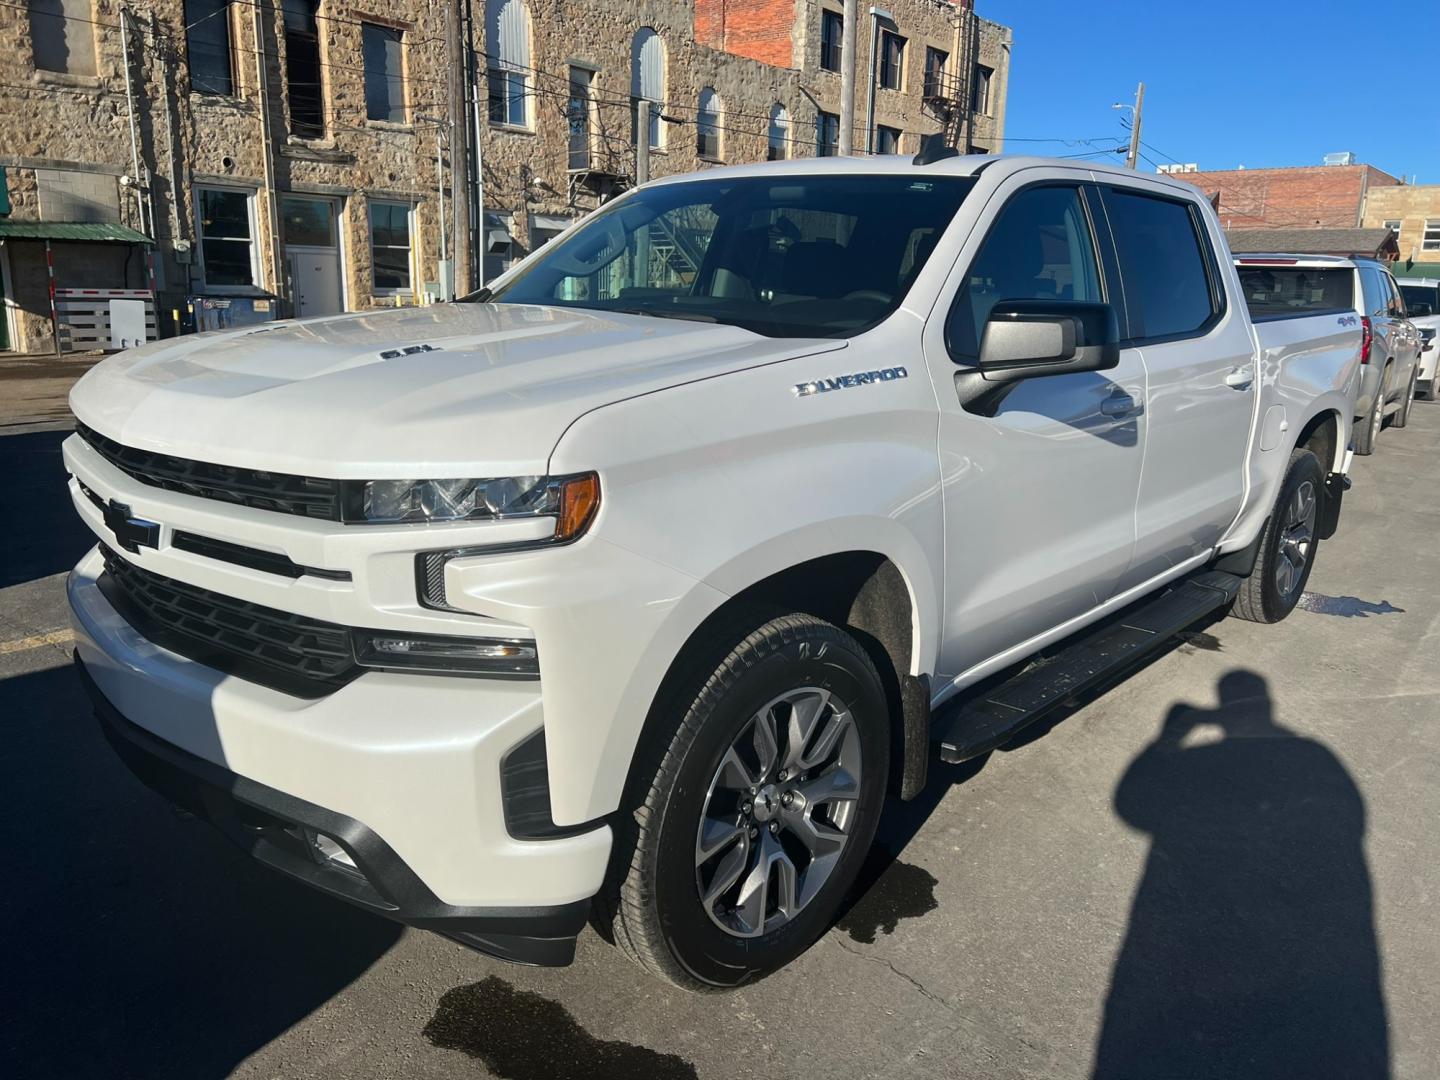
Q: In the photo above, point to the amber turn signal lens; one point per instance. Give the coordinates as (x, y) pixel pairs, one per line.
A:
(579, 502)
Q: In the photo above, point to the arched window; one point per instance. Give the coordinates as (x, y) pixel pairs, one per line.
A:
(778, 146)
(707, 125)
(507, 55)
(647, 80)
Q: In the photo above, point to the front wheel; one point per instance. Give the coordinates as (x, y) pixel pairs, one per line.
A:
(755, 812)
(1288, 546)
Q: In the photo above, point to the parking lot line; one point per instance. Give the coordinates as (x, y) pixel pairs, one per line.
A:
(37, 641)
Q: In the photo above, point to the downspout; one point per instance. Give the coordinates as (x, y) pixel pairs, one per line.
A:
(272, 211)
(135, 176)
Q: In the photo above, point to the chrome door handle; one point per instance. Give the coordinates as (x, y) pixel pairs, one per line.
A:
(1240, 377)
(1117, 405)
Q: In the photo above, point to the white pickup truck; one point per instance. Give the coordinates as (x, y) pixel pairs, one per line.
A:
(634, 585)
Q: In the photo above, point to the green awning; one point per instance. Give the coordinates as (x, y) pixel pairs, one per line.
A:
(91, 232)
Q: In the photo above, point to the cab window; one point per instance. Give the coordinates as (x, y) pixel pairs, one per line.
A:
(1040, 247)
(1164, 264)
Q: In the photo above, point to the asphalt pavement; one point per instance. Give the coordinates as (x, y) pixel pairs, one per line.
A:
(1226, 866)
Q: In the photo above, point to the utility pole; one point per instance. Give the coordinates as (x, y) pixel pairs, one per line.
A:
(847, 77)
(443, 269)
(1134, 154)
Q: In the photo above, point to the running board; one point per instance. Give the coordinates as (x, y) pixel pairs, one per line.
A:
(996, 716)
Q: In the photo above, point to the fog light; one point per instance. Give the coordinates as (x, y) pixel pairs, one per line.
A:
(428, 652)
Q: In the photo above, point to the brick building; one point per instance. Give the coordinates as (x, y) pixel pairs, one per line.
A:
(300, 156)
(1307, 196)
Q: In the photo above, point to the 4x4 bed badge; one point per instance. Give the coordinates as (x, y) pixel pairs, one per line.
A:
(845, 382)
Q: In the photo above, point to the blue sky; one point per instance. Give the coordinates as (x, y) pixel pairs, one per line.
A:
(1229, 82)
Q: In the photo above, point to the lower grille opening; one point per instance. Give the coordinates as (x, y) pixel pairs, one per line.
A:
(287, 652)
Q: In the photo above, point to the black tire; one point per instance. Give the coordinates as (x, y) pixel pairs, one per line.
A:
(1261, 598)
(1368, 430)
(1403, 416)
(652, 904)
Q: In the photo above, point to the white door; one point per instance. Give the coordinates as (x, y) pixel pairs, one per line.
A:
(315, 281)
(1200, 372)
(1039, 495)
(312, 252)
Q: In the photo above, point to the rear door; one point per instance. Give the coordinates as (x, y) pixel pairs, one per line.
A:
(1200, 374)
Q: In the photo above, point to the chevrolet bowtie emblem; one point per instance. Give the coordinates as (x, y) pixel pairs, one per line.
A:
(131, 533)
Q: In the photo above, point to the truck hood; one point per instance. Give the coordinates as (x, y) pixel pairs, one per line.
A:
(437, 391)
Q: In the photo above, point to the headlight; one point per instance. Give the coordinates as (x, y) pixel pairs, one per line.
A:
(570, 500)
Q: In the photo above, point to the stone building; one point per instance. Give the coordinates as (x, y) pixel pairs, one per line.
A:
(314, 156)
(1412, 212)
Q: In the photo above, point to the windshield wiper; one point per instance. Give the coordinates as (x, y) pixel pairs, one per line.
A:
(481, 295)
(691, 316)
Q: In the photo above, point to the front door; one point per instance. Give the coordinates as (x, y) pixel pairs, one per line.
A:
(312, 253)
(1039, 496)
(315, 281)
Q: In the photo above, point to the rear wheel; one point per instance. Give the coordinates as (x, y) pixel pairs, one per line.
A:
(1403, 416)
(753, 816)
(1368, 430)
(1288, 547)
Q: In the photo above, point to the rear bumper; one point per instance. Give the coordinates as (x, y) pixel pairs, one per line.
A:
(280, 830)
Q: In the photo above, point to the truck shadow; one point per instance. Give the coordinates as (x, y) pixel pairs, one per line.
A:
(1251, 947)
(139, 943)
(53, 537)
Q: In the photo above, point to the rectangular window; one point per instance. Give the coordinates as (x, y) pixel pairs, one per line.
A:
(507, 97)
(980, 98)
(1292, 290)
(303, 68)
(207, 45)
(579, 113)
(390, 246)
(227, 248)
(307, 222)
(1394, 226)
(935, 61)
(1431, 239)
(62, 36)
(887, 140)
(892, 60)
(832, 29)
(1165, 268)
(827, 134)
(382, 48)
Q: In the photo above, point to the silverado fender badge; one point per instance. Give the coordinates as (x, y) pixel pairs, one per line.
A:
(845, 382)
(131, 533)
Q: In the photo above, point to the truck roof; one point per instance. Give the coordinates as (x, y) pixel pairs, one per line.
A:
(959, 165)
(1281, 258)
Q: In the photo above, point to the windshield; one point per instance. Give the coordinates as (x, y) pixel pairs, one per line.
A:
(792, 256)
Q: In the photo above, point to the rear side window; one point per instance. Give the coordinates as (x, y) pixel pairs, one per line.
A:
(1377, 296)
(1039, 248)
(1421, 299)
(1294, 290)
(1163, 265)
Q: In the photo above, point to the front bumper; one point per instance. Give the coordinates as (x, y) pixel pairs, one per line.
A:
(406, 763)
(279, 830)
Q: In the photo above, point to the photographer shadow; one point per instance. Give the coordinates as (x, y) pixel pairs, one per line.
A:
(1251, 947)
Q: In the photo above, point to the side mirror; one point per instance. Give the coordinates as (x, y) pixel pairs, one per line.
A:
(1028, 339)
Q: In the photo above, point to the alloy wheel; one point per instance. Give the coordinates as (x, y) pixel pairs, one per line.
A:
(778, 813)
(1297, 538)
